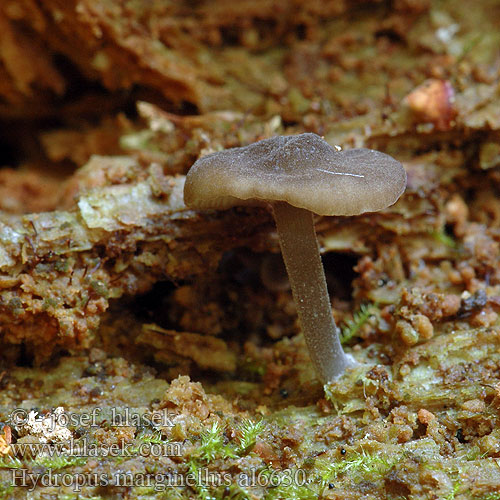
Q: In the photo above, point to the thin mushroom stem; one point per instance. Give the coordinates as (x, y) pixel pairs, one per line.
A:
(300, 250)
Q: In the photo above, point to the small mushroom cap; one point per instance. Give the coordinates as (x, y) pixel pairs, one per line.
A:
(303, 170)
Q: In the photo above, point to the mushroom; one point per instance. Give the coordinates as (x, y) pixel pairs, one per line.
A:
(299, 176)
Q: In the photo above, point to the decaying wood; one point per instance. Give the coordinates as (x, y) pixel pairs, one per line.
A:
(92, 217)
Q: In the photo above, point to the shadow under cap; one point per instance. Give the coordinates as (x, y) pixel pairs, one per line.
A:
(302, 170)
(300, 175)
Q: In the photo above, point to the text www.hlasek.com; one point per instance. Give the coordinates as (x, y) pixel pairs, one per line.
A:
(94, 450)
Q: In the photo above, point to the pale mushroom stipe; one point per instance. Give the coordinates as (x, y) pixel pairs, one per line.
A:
(299, 176)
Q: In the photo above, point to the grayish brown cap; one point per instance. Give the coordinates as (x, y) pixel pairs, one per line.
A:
(303, 170)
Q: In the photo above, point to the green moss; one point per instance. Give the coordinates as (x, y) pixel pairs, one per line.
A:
(201, 489)
(212, 445)
(49, 302)
(444, 238)
(249, 432)
(6, 491)
(62, 265)
(8, 462)
(298, 102)
(100, 288)
(359, 466)
(16, 306)
(488, 496)
(81, 302)
(352, 326)
(138, 140)
(77, 496)
(291, 492)
(59, 461)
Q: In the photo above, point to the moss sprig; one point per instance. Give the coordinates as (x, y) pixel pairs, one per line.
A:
(352, 326)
